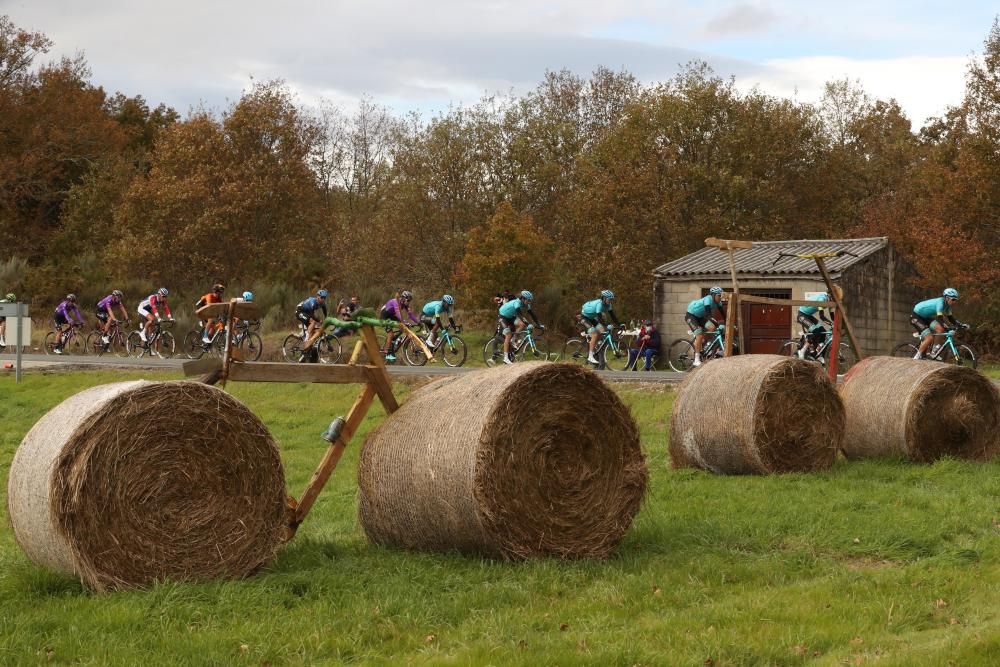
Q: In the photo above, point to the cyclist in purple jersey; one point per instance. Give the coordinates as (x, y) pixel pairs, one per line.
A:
(105, 312)
(66, 314)
(393, 310)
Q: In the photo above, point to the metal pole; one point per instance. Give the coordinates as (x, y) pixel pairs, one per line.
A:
(17, 339)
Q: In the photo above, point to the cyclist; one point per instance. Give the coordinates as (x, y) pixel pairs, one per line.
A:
(700, 318)
(148, 309)
(306, 312)
(814, 329)
(930, 317)
(592, 313)
(212, 324)
(432, 313)
(393, 310)
(9, 298)
(106, 315)
(512, 319)
(67, 313)
(647, 343)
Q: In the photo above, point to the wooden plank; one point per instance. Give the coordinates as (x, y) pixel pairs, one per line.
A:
(332, 456)
(729, 326)
(724, 244)
(786, 302)
(242, 310)
(377, 375)
(843, 313)
(206, 364)
(279, 372)
(834, 344)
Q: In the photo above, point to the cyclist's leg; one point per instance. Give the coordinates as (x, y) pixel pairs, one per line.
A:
(935, 327)
(507, 329)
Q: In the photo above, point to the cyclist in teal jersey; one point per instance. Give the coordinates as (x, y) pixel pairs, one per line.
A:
(930, 317)
(700, 318)
(512, 316)
(814, 328)
(592, 313)
(432, 314)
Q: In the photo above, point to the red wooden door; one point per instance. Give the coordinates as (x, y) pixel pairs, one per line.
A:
(767, 326)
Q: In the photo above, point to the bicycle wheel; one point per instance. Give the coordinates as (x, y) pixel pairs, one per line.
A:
(75, 345)
(192, 346)
(905, 350)
(329, 349)
(966, 357)
(681, 355)
(49, 344)
(452, 351)
(94, 343)
(537, 349)
(616, 359)
(135, 345)
(291, 348)
(252, 347)
(789, 349)
(575, 352)
(493, 351)
(166, 346)
(412, 353)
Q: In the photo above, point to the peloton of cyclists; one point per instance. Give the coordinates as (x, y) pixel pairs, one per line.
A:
(67, 314)
(592, 314)
(701, 317)
(931, 317)
(106, 313)
(513, 314)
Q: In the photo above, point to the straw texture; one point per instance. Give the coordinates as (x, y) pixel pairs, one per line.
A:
(526, 460)
(128, 483)
(756, 414)
(920, 410)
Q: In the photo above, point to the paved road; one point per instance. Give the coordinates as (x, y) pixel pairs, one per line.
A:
(42, 361)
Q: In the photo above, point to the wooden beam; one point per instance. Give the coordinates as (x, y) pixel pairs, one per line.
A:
(243, 310)
(786, 302)
(206, 364)
(737, 304)
(227, 355)
(843, 313)
(724, 244)
(728, 349)
(378, 377)
(332, 456)
(281, 372)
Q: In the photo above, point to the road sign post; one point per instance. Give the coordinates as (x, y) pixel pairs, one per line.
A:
(22, 325)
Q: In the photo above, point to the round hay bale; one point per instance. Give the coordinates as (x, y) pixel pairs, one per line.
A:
(133, 482)
(920, 410)
(527, 460)
(756, 414)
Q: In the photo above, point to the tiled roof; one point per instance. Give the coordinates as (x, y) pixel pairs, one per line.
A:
(760, 259)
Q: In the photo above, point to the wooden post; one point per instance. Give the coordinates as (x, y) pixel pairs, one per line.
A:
(733, 303)
(730, 247)
(834, 346)
(227, 356)
(840, 308)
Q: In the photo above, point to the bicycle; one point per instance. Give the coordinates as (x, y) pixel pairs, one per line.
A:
(524, 344)
(194, 345)
(161, 343)
(117, 343)
(326, 349)
(68, 340)
(948, 351)
(246, 339)
(680, 354)
(452, 349)
(611, 349)
(821, 355)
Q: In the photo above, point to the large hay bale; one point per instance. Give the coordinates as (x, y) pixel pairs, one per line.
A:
(921, 410)
(527, 460)
(756, 414)
(133, 482)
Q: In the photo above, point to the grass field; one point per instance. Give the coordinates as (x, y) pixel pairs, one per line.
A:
(872, 563)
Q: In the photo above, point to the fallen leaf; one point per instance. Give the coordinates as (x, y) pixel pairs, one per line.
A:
(857, 541)
(563, 627)
(940, 604)
(244, 648)
(522, 644)
(429, 638)
(816, 654)
(656, 590)
(857, 640)
(799, 649)
(709, 661)
(952, 621)
(581, 646)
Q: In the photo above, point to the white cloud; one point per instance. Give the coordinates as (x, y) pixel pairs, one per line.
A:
(742, 18)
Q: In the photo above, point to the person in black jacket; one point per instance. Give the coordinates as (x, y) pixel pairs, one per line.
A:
(646, 345)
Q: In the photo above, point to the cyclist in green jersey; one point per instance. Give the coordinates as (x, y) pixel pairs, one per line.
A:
(432, 314)
(513, 317)
(930, 317)
(592, 314)
(700, 317)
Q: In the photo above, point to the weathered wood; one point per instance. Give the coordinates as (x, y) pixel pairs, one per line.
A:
(280, 372)
(736, 296)
(724, 244)
(378, 377)
(356, 355)
(332, 456)
(418, 341)
(786, 302)
(244, 310)
(831, 366)
(227, 355)
(206, 364)
(728, 349)
(843, 313)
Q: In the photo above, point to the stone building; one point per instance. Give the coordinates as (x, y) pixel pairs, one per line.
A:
(877, 283)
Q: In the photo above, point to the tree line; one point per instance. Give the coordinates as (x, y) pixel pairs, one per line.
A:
(579, 184)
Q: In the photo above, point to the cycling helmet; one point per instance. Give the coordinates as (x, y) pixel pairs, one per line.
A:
(715, 290)
(248, 296)
(322, 293)
(71, 297)
(218, 288)
(10, 297)
(527, 296)
(607, 294)
(952, 292)
(118, 294)
(448, 299)
(163, 291)
(406, 295)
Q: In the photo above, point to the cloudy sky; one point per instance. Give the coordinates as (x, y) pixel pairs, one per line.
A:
(426, 55)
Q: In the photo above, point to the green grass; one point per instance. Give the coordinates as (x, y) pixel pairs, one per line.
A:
(990, 370)
(886, 562)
